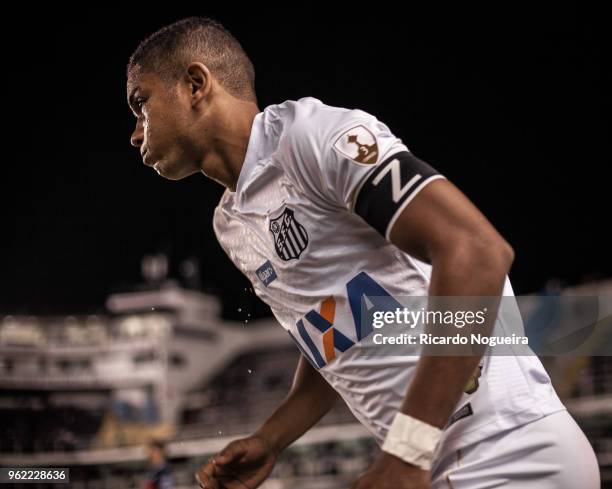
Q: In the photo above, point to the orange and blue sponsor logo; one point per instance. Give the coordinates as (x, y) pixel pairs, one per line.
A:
(332, 340)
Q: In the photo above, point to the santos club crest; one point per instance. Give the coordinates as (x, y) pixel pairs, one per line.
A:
(290, 237)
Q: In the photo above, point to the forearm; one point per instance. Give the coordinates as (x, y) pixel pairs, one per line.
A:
(440, 380)
(309, 399)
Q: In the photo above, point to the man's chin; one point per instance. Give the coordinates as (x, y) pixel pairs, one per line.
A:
(168, 171)
(157, 166)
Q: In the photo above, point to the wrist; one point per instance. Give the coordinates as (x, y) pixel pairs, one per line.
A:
(394, 460)
(412, 440)
(270, 438)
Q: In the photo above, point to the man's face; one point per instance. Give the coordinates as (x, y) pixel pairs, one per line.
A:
(163, 126)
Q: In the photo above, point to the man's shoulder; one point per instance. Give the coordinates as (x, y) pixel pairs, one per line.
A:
(309, 122)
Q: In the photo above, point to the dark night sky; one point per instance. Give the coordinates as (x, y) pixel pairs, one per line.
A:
(512, 107)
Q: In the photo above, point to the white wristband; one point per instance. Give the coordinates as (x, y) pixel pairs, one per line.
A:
(412, 440)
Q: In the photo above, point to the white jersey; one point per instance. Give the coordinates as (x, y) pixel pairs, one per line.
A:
(308, 224)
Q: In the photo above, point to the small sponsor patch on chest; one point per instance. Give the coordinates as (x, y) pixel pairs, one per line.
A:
(266, 273)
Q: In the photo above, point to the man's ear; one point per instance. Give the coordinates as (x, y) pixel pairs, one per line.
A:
(199, 80)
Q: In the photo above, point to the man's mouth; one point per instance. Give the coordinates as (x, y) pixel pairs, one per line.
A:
(144, 158)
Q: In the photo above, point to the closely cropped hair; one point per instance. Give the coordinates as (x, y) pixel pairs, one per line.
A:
(169, 51)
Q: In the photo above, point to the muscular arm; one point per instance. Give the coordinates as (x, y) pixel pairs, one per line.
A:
(247, 462)
(309, 399)
(469, 258)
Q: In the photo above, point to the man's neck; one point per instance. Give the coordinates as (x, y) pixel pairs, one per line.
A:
(230, 144)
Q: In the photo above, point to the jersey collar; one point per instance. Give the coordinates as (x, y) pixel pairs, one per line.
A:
(254, 152)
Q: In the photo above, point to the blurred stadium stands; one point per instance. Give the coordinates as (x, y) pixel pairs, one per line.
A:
(87, 392)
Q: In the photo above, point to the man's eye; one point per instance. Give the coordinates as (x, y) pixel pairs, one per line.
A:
(138, 104)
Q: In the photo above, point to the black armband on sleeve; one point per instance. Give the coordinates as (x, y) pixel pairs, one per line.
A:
(388, 189)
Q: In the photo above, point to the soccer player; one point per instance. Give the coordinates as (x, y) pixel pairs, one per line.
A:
(325, 206)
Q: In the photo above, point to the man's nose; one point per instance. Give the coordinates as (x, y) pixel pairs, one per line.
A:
(137, 136)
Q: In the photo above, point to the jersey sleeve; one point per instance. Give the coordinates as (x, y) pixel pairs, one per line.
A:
(354, 162)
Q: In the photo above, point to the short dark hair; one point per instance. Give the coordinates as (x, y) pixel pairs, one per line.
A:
(168, 51)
